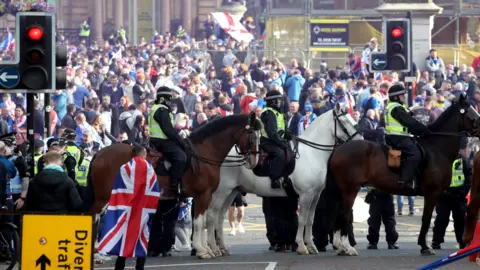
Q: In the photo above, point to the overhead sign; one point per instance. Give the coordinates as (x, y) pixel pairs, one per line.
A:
(329, 33)
(9, 77)
(57, 242)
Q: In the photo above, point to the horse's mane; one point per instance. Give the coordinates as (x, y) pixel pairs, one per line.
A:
(444, 116)
(216, 126)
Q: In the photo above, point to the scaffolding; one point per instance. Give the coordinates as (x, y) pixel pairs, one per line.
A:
(456, 32)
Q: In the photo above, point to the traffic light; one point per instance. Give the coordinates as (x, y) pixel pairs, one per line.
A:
(397, 44)
(38, 54)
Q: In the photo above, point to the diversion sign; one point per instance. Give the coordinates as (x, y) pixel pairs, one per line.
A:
(329, 33)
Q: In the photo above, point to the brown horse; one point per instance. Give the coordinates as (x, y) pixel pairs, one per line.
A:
(473, 207)
(362, 162)
(211, 144)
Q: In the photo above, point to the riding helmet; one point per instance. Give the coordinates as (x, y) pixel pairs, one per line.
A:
(164, 92)
(396, 90)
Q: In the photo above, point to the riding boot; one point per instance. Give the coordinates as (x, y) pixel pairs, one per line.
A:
(407, 174)
(276, 184)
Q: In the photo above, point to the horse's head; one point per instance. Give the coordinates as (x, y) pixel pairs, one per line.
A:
(248, 144)
(345, 128)
(468, 118)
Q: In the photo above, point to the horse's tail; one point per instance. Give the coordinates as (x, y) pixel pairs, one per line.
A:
(330, 200)
(89, 194)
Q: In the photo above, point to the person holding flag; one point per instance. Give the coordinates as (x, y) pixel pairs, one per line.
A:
(132, 204)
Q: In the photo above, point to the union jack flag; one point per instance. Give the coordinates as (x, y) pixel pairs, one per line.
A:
(133, 202)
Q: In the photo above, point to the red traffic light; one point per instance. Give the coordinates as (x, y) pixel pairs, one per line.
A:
(397, 32)
(35, 33)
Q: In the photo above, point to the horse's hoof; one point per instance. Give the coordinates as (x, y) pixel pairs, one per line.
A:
(312, 250)
(225, 252)
(217, 252)
(351, 252)
(427, 252)
(302, 251)
(204, 256)
(341, 252)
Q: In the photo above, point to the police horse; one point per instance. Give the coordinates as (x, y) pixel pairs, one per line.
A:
(308, 178)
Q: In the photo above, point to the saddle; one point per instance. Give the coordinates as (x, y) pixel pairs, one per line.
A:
(159, 163)
(394, 155)
(263, 165)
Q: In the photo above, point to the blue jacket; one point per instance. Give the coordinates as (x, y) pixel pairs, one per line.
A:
(294, 85)
(12, 170)
(79, 95)
(60, 104)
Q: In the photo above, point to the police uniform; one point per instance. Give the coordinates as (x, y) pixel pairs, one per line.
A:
(82, 163)
(273, 136)
(165, 138)
(398, 125)
(453, 201)
(381, 209)
(69, 162)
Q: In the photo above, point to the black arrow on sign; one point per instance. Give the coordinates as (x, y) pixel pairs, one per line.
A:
(43, 261)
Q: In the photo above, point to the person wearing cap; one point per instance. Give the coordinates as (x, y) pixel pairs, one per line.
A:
(39, 151)
(274, 134)
(81, 162)
(89, 145)
(58, 145)
(398, 125)
(165, 138)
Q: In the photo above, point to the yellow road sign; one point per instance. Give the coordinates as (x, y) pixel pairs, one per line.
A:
(57, 242)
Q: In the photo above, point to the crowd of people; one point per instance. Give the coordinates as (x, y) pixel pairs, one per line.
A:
(112, 87)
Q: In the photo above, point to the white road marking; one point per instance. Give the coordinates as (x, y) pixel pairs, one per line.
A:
(271, 265)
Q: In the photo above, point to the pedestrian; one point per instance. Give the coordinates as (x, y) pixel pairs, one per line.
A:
(143, 187)
(381, 209)
(453, 201)
(411, 205)
(238, 203)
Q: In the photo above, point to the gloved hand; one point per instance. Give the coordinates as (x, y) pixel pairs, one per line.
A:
(288, 135)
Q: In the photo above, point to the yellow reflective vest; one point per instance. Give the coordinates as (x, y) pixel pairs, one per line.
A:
(458, 177)
(280, 122)
(154, 127)
(392, 126)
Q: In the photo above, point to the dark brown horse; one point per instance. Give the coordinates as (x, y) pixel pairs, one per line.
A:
(474, 205)
(362, 162)
(211, 144)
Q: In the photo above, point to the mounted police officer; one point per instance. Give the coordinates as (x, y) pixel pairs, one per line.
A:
(399, 123)
(69, 163)
(453, 201)
(81, 160)
(274, 135)
(165, 138)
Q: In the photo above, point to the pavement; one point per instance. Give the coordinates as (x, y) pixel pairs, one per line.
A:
(250, 250)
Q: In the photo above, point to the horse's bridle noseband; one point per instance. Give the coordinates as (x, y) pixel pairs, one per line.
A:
(336, 119)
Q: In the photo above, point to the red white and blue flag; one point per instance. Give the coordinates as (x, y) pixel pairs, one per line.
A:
(132, 204)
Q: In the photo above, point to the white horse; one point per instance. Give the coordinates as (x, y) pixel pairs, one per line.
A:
(308, 179)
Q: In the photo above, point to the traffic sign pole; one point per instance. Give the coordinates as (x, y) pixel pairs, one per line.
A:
(31, 133)
(47, 108)
(409, 86)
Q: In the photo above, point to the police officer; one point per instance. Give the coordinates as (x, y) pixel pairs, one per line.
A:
(82, 162)
(453, 200)
(39, 151)
(69, 162)
(273, 136)
(381, 209)
(398, 125)
(165, 138)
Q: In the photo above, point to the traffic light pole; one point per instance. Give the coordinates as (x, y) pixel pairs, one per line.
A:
(30, 133)
(48, 109)
(411, 73)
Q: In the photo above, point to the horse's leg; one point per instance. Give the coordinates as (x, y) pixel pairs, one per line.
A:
(204, 236)
(201, 205)
(428, 205)
(212, 213)
(219, 226)
(306, 199)
(312, 249)
(346, 218)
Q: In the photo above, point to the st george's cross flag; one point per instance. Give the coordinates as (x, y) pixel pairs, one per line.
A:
(132, 204)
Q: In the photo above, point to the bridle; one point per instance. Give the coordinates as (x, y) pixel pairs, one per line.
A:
(338, 140)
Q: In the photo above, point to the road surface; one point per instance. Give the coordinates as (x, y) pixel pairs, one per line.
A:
(249, 251)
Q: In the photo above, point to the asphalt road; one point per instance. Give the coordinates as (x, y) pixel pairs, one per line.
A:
(249, 251)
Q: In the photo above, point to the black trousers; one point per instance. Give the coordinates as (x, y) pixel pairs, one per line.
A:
(162, 234)
(381, 209)
(276, 158)
(411, 156)
(446, 204)
(175, 155)
(120, 263)
(281, 219)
